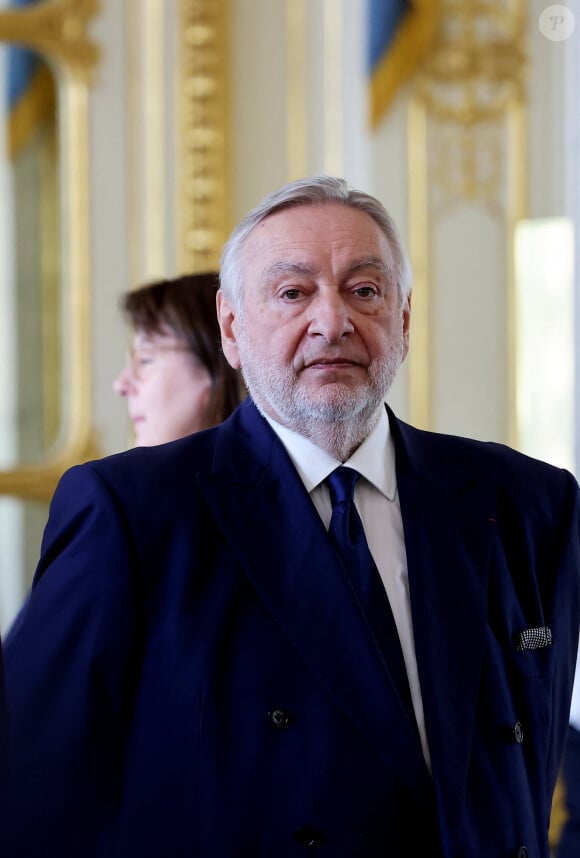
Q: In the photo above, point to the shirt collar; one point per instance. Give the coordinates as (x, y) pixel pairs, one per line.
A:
(374, 459)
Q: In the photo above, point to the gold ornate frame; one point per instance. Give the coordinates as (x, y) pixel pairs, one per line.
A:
(58, 30)
(203, 173)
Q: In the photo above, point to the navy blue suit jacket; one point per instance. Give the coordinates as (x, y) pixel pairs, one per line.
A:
(191, 675)
(3, 736)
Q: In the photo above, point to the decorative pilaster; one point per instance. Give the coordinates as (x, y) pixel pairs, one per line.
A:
(203, 133)
(467, 147)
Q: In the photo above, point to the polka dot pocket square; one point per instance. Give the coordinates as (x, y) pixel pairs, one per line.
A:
(534, 638)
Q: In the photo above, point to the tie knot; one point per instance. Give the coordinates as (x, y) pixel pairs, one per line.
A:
(341, 483)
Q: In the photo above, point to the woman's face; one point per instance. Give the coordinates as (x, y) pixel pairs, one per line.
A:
(168, 390)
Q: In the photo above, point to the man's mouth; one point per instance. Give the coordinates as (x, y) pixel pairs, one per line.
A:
(330, 362)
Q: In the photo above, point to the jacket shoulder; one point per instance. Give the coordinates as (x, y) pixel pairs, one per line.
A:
(454, 454)
(145, 470)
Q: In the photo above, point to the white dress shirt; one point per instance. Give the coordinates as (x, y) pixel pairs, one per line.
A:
(575, 706)
(377, 502)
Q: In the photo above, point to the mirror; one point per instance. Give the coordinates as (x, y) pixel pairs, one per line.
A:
(46, 64)
(30, 324)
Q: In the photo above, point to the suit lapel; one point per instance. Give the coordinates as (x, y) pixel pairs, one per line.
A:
(253, 486)
(447, 511)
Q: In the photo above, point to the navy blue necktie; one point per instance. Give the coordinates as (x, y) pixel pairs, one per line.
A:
(346, 531)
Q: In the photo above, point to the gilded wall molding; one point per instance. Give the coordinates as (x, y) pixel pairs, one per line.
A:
(56, 29)
(467, 145)
(333, 58)
(149, 93)
(297, 88)
(203, 109)
(300, 18)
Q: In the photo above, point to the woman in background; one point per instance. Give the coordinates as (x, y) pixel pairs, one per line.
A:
(176, 380)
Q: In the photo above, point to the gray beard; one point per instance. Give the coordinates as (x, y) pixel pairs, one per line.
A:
(339, 422)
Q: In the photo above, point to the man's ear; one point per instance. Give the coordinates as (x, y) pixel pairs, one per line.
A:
(226, 315)
(406, 322)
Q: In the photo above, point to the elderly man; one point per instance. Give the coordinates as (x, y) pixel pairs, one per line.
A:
(312, 627)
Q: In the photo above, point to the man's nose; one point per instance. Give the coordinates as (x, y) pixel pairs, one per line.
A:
(330, 317)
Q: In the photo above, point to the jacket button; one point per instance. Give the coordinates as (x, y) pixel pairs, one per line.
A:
(280, 718)
(522, 852)
(518, 732)
(309, 837)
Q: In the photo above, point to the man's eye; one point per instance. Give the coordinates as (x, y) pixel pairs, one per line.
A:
(365, 291)
(292, 294)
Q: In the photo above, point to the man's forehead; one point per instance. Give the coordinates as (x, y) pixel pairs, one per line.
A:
(302, 230)
(278, 251)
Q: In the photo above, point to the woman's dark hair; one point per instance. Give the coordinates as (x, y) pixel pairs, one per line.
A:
(187, 305)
